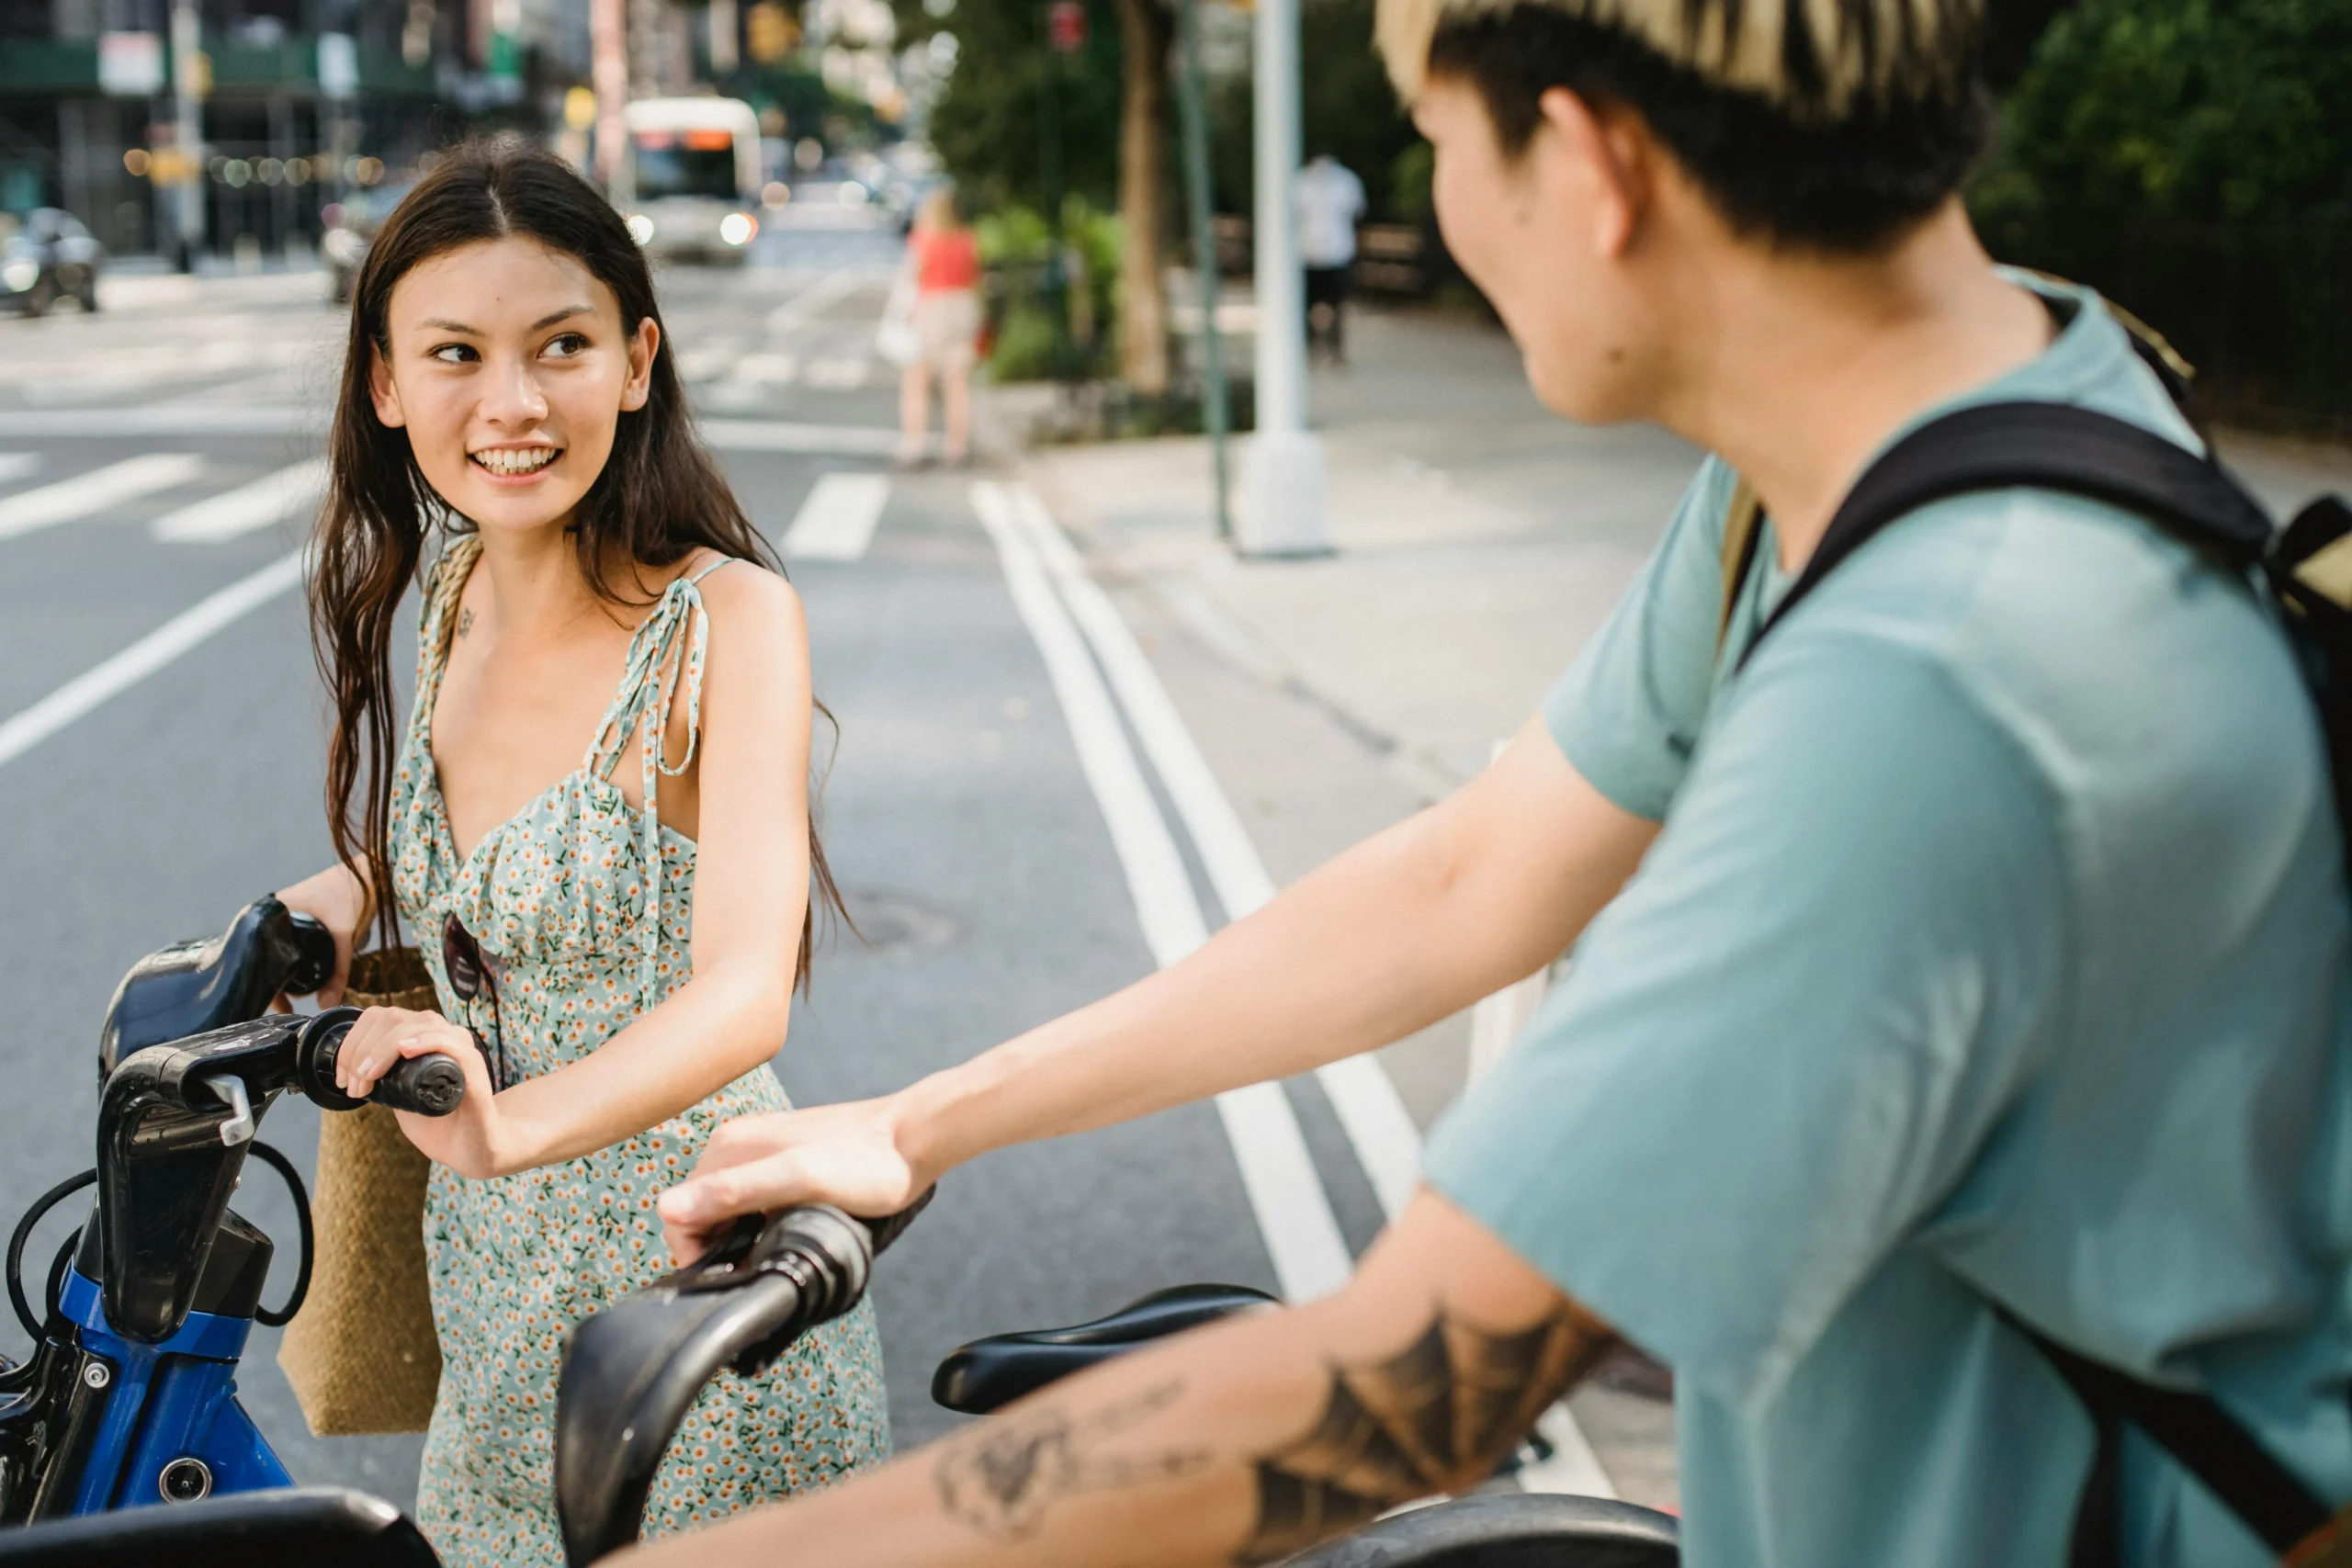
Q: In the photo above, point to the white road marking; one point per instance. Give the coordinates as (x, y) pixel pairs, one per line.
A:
(207, 417)
(783, 435)
(265, 501)
(803, 307)
(836, 522)
(838, 375)
(143, 658)
(15, 466)
(1386, 1141)
(69, 500)
(1294, 1214)
(765, 369)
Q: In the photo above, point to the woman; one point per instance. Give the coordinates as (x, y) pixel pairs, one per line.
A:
(596, 590)
(945, 261)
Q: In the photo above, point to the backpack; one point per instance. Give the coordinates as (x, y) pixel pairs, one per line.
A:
(2307, 568)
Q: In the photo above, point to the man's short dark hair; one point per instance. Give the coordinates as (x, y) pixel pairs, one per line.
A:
(1849, 184)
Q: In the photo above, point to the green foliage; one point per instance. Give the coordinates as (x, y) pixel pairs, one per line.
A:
(1346, 109)
(2208, 110)
(1015, 244)
(992, 122)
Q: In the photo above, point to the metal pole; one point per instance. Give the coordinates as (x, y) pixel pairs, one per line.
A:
(189, 131)
(1281, 511)
(1213, 413)
(608, 50)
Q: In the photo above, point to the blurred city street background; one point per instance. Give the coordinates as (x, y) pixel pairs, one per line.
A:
(1078, 724)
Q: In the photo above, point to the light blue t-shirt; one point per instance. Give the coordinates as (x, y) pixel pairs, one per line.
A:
(1994, 944)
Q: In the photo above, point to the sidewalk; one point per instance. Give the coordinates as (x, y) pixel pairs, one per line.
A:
(1478, 541)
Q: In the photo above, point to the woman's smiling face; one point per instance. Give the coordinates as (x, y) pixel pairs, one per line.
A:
(509, 366)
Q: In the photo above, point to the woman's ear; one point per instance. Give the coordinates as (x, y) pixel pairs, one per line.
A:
(382, 392)
(643, 344)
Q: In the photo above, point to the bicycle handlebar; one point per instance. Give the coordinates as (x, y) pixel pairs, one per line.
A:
(429, 1086)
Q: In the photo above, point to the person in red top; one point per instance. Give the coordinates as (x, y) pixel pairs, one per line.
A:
(945, 261)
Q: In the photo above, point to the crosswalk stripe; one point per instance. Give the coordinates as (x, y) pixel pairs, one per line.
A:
(15, 466)
(69, 500)
(826, 292)
(265, 501)
(836, 522)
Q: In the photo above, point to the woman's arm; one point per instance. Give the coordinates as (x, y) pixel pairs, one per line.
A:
(751, 896)
(337, 897)
(1405, 929)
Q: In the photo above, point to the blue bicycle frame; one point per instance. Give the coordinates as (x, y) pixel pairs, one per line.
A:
(170, 1416)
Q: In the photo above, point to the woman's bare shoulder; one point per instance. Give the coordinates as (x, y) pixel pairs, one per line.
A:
(749, 605)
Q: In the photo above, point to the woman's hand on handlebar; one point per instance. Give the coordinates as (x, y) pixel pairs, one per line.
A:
(847, 1155)
(472, 1139)
(337, 898)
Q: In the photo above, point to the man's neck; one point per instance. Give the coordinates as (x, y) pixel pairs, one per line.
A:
(1804, 366)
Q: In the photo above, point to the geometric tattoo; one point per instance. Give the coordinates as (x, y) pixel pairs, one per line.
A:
(1434, 1418)
(465, 621)
(1002, 1483)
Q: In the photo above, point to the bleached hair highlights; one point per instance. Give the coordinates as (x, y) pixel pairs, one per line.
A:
(1817, 61)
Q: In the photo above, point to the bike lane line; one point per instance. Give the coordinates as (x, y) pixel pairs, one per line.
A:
(113, 676)
(1286, 1196)
(1386, 1141)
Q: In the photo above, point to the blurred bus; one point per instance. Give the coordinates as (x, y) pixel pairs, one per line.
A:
(690, 180)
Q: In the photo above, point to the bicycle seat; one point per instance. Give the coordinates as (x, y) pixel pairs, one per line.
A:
(988, 1374)
(1504, 1529)
(293, 1528)
(195, 988)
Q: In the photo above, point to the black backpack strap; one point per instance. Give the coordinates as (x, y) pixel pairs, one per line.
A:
(2043, 446)
(2206, 1440)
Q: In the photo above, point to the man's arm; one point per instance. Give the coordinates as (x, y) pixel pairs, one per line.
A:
(1405, 929)
(1243, 1443)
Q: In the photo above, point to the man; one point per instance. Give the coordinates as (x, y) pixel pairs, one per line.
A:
(1976, 948)
(1331, 204)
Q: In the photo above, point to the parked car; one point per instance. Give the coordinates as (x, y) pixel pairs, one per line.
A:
(345, 244)
(46, 254)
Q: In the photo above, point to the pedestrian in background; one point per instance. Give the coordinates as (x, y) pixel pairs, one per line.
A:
(613, 953)
(945, 261)
(1331, 204)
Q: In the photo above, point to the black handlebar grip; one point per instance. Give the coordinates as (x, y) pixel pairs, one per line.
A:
(430, 1086)
(887, 1230)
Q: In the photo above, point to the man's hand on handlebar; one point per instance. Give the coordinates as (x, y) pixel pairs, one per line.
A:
(847, 1155)
(472, 1140)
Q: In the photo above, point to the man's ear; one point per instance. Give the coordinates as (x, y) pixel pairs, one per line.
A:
(382, 392)
(1611, 150)
(643, 344)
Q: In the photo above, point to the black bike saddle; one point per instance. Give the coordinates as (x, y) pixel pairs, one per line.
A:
(988, 1374)
(294, 1528)
(195, 988)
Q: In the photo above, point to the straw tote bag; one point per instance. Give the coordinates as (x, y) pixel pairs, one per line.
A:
(361, 1354)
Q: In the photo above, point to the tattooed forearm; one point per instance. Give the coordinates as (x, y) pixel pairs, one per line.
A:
(1434, 1417)
(1001, 1480)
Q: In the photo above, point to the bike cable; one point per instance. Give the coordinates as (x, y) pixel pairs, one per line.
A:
(293, 1178)
(23, 1234)
(34, 1325)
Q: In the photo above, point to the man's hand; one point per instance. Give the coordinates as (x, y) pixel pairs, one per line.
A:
(1245, 1442)
(847, 1155)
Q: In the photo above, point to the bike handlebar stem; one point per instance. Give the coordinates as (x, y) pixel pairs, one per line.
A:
(173, 1124)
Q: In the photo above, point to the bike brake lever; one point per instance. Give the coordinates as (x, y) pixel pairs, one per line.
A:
(239, 1127)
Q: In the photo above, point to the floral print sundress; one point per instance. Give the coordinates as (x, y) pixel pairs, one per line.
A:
(583, 908)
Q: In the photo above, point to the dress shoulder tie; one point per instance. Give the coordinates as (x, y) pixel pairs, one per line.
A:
(666, 654)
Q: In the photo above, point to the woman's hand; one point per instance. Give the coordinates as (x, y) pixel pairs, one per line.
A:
(337, 899)
(474, 1140)
(847, 1155)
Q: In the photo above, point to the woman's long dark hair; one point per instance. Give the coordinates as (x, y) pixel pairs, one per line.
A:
(659, 497)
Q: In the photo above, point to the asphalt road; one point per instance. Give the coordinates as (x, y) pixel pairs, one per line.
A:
(974, 843)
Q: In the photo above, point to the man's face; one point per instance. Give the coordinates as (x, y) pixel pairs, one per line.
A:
(1547, 237)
